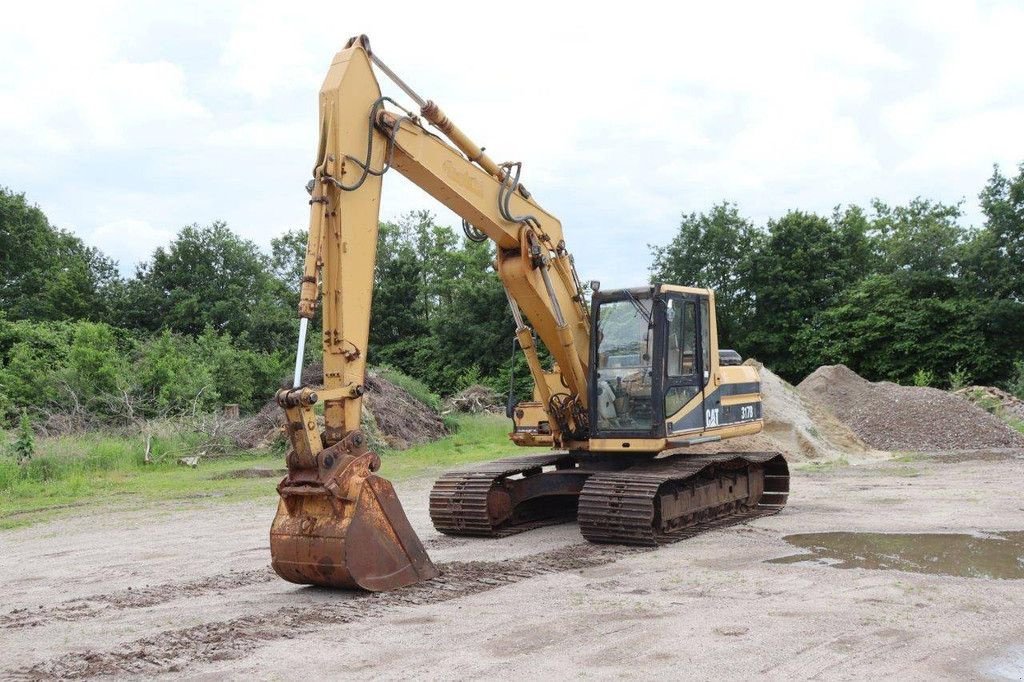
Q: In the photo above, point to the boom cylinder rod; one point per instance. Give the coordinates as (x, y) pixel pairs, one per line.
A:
(300, 351)
(516, 313)
(555, 307)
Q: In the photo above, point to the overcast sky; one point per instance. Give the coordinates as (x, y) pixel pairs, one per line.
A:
(126, 121)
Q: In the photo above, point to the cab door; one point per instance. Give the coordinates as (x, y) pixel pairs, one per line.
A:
(685, 371)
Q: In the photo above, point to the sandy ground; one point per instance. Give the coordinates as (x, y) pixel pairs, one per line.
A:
(186, 591)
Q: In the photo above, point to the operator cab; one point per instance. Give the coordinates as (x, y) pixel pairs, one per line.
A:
(656, 367)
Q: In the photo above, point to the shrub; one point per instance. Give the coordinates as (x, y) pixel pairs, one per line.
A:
(240, 375)
(96, 365)
(174, 377)
(24, 444)
(959, 377)
(1016, 384)
(924, 377)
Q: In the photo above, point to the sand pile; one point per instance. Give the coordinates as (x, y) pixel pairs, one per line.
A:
(798, 427)
(892, 417)
(390, 414)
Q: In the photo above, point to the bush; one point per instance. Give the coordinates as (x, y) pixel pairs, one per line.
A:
(924, 377)
(1016, 384)
(959, 377)
(174, 376)
(32, 358)
(96, 363)
(24, 445)
(240, 375)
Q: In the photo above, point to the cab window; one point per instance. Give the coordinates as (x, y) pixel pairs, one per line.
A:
(682, 338)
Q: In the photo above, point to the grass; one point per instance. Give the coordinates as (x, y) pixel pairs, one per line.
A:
(478, 438)
(414, 387)
(823, 466)
(93, 470)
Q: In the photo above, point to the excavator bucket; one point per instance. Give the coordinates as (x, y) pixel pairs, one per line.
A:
(345, 529)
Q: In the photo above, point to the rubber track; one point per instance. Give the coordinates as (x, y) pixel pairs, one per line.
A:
(618, 507)
(458, 500)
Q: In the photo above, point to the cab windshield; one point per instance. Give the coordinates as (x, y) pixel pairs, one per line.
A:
(624, 350)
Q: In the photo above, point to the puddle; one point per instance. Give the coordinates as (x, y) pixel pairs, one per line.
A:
(992, 555)
(1008, 666)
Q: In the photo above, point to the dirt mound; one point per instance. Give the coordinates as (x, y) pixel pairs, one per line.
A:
(260, 430)
(401, 419)
(390, 414)
(994, 400)
(796, 427)
(893, 417)
(802, 427)
(475, 399)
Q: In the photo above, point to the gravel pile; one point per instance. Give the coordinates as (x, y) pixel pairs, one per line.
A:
(892, 417)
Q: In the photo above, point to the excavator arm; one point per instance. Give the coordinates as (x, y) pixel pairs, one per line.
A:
(338, 523)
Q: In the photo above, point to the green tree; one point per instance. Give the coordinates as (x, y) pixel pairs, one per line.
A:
(288, 258)
(994, 259)
(474, 327)
(397, 317)
(706, 252)
(799, 268)
(882, 331)
(211, 277)
(921, 244)
(47, 273)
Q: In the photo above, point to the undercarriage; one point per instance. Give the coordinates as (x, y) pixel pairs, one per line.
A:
(638, 502)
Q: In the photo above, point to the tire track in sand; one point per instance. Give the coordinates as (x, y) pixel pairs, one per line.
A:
(175, 650)
(133, 598)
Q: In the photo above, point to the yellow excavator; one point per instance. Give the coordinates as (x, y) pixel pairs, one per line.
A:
(636, 379)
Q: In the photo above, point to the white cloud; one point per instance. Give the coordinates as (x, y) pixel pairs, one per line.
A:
(138, 118)
(129, 240)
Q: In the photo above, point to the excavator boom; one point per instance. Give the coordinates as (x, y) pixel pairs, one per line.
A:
(331, 494)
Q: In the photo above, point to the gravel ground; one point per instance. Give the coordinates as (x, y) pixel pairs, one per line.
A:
(892, 417)
(184, 591)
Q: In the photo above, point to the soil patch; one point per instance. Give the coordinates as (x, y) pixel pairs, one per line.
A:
(892, 417)
(174, 650)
